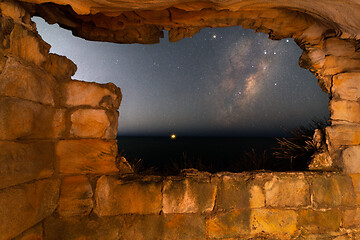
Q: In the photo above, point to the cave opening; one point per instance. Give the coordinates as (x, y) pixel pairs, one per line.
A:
(226, 93)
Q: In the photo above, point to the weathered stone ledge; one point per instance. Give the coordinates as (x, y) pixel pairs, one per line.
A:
(25, 205)
(207, 206)
(22, 162)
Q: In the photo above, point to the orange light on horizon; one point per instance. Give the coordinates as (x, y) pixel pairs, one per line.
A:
(173, 136)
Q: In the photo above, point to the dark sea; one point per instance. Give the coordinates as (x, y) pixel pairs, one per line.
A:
(166, 156)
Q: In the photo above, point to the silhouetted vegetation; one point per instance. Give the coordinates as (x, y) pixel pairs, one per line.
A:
(294, 152)
(291, 153)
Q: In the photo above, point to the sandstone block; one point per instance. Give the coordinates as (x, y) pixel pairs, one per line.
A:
(60, 67)
(93, 123)
(91, 94)
(23, 162)
(23, 206)
(356, 181)
(334, 65)
(257, 197)
(339, 47)
(28, 45)
(75, 196)
(114, 197)
(342, 135)
(351, 159)
(351, 218)
(346, 86)
(86, 156)
(291, 190)
(12, 10)
(184, 226)
(27, 82)
(76, 228)
(141, 227)
(233, 192)
(59, 123)
(127, 227)
(230, 224)
(332, 191)
(345, 111)
(34, 233)
(188, 196)
(273, 221)
(319, 221)
(22, 119)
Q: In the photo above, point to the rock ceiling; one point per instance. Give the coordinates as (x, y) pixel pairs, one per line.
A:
(133, 21)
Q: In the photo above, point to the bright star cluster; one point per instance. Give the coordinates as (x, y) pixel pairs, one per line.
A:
(225, 81)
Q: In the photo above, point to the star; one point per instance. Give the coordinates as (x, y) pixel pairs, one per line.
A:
(275, 84)
(214, 36)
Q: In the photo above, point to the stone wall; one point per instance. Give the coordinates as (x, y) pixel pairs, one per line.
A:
(199, 205)
(61, 178)
(51, 127)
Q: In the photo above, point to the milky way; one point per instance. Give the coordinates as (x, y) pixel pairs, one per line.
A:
(226, 81)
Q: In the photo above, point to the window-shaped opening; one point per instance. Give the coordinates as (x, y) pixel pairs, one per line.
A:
(217, 101)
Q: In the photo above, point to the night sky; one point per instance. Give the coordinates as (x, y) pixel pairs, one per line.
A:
(221, 82)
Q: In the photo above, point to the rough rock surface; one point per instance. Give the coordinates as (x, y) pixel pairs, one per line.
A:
(25, 205)
(138, 21)
(114, 197)
(86, 156)
(23, 162)
(75, 196)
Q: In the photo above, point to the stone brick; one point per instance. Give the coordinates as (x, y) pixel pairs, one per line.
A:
(233, 192)
(127, 227)
(59, 123)
(356, 181)
(342, 135)
(346, 86)
(13, 10)
(23, 206)
(34, 233)
(86, 156)
(75, 196)
(114, 196)
(23, 162)
(229, 224)
(27, 82)
(348, 111)
(60, 67)
(334, 65)
(351, 159)
(351, 218)
(89, 123)
(339, 47)
(273, 221)
(28, 45)
(80, 93)
(76, 228)
(22, 119)
(184, 226)
(326, 236)
(332, 191)
(93, 123)
(319, 221)
(291, 190)
(188, 196)
(257, 197)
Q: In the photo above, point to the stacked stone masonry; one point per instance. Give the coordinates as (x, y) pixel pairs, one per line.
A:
(60, 174)
(198, 205)
(50, 127)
